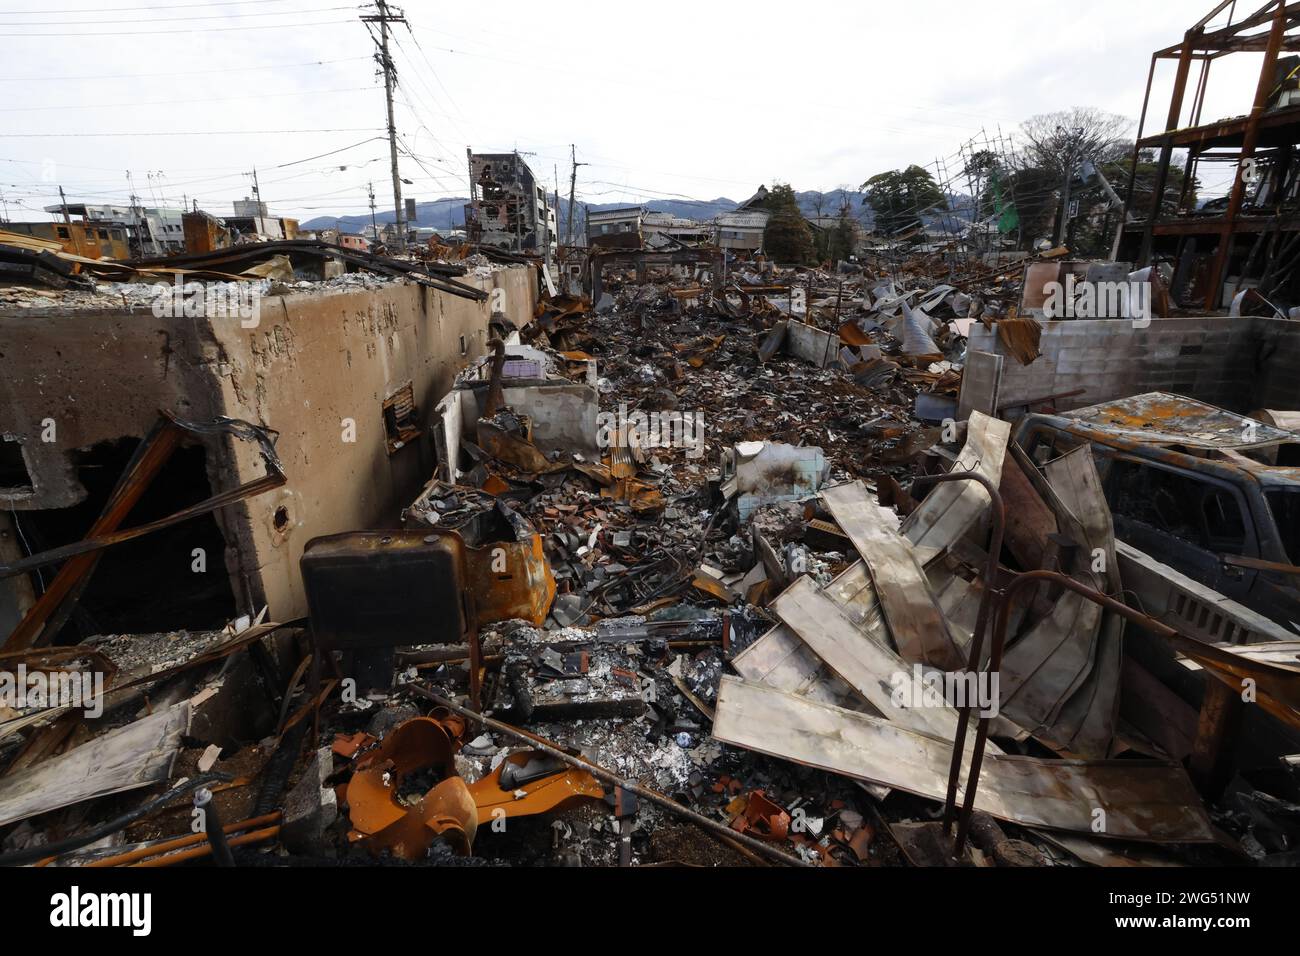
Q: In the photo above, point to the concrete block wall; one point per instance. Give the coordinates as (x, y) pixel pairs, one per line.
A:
(1278, 385)
(1213, 359)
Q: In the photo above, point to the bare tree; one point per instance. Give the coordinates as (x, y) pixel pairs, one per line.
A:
(1055, 141)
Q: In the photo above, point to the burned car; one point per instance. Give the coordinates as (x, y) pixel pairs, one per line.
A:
(1215, 493)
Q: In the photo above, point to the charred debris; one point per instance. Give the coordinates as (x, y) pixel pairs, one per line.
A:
(655, 552)
(736, 565)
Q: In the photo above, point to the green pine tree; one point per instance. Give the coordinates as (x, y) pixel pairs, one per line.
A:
(788, 239)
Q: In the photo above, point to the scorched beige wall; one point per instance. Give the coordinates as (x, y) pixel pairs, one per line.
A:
(314, 359)
(317, 370)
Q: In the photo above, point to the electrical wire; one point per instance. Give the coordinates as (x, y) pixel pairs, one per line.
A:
(201, 132)
(221, 16)
(172, 73)
(171, 6)
(186, 101)
(144, 33)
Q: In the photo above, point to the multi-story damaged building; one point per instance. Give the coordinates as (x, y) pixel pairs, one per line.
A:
(252, 218)
(742, 229)
(508, 207)
(150, 231)
(664, 230)
(615, 228)
(81, 238)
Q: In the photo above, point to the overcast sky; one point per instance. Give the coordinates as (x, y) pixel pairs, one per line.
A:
(683, 99)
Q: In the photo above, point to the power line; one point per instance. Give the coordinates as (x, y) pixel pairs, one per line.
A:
(114, 169)
(145, 33)
(172, 6)
(201, 132)
(700, 94)
(172, 73)
(214, 99)
(222, 16)
(332, 152)
(438, 79)
(432, 175)
(447, 157)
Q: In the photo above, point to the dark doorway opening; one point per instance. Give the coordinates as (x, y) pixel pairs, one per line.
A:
(13, 467)
(149, 584)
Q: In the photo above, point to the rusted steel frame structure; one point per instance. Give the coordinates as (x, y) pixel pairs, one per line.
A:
(1197, 44)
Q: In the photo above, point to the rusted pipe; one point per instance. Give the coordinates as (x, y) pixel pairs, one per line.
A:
(1018, 583)
(203, 849)
(999, 516)
(180, 843)
(609, 777)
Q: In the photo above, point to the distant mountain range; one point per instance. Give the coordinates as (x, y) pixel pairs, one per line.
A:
(447, 214)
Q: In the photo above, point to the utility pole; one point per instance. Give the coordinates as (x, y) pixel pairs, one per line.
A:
(257, 198)
(1062, 227)
(473, 200)
(373, 225)
(135, 217)
(573, 185)
(384, 17)
(63, 201)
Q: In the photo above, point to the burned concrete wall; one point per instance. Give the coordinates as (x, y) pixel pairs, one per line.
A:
(79, 389)
(72, 380)
(317, 368)
(1278, 384)
(1215, 359)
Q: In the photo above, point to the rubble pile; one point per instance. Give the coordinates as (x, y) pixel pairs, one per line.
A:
(718, 571)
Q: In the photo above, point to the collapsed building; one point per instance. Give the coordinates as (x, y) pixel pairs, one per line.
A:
(508, 207)
(629, 577)
(697, 560)
(390, 345)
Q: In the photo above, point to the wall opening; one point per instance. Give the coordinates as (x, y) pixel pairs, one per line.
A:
(14, 475)
(171, 580)
(401, 425)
